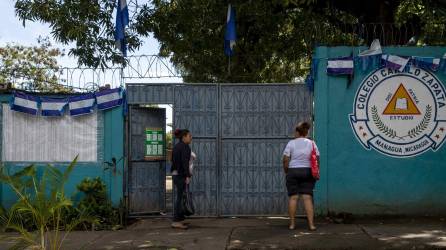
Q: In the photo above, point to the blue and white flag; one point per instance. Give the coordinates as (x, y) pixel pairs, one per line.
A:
(230, 34)
(53, 106)
(429, 63)
(108, 98)
(340, 66)
(25, 103)
(80, 105)
(122, 20)
(395, 62)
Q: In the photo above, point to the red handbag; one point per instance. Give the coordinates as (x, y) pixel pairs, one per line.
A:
(314, 164)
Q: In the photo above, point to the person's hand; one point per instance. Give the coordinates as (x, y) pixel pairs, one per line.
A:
(188, 180)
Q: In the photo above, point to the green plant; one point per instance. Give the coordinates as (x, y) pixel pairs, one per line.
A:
(38, 213)
(97, 204)
(169, 140)
(112, 166)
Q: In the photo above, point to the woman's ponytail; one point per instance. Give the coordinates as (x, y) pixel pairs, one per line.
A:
(180, 133)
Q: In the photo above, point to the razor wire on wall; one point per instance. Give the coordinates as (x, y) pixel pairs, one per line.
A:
(140, 69)
(153, 68)
(149, 68)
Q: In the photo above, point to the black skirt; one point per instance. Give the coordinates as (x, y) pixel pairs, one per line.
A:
(299, 181)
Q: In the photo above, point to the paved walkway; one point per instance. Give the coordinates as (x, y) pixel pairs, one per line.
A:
(266, 233)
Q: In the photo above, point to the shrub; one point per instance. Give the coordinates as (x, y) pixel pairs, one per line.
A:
(38, 214)
(97, 204)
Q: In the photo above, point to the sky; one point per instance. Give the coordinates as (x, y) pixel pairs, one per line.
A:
(13, 31)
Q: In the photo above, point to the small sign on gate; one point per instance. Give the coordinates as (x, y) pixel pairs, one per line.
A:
(154, 144)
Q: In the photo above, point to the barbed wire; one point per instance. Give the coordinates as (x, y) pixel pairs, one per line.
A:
(90, 79)
(152, 68)
(73, 79)
(149, 66)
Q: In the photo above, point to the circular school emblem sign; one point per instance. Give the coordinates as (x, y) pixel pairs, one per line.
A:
(400, 114)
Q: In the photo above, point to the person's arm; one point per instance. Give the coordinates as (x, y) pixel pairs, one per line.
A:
(317, 155)
(286, 157)
(185, 157)
(286, 163)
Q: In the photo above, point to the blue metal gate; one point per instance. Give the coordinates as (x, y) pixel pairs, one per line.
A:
(239, 133)
(257, 122)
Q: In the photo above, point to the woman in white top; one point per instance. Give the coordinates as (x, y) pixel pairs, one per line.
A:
(297, 167)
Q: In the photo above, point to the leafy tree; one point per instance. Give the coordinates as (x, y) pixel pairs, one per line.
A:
(87, 23)
(31, 68)
(275, 38)
(428, 17)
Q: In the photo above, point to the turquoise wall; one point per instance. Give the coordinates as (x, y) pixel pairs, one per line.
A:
(359, 181)
(111, 144)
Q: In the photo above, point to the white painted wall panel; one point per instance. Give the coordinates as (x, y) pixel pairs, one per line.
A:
(28, 138)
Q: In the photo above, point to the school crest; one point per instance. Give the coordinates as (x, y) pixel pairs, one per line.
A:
(400, 114)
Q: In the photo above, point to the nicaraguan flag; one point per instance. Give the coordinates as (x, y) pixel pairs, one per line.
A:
(25, 103)
(53, 106)
(230, 34)
(122, 20)
(80, 105)
(108, 98)
(340, 66)
(429, 63)
(395, 62)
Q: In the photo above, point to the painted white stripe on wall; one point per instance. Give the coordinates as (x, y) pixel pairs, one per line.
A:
(28, 138)
(25, 103)
(340, 64)
(108, 97)
(82, 104)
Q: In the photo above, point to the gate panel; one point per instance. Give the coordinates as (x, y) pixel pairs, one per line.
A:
(195, 108)
(252, 178)
(257, 122)
(146, 189)
(263, 110)
(204, 182)
(150, 93)
(146, 178)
